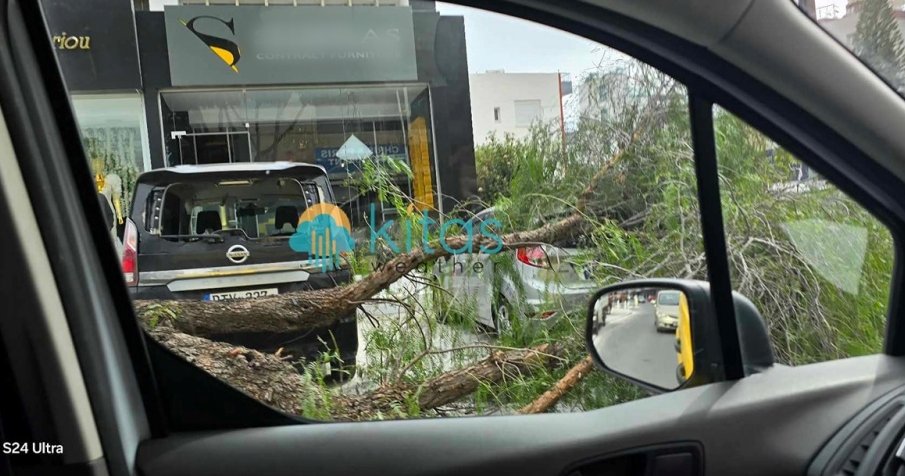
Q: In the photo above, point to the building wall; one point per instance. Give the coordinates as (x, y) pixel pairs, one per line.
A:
(497, 97)
(97, 53)
(443, 64)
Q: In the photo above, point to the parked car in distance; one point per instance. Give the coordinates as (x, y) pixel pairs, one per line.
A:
(545, 282)
(221, 232)
(601, 310)
(666, 310)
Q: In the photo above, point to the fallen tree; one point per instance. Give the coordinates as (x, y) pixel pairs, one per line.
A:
(271, 380)
(186, 327)
(318, 308)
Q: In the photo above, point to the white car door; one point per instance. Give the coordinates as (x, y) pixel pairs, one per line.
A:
(468, 277)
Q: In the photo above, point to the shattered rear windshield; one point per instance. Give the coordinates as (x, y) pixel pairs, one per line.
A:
(257, 208)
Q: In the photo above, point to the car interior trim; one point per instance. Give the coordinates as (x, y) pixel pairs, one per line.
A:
(70, 406)
(109, 344)
(708, 186)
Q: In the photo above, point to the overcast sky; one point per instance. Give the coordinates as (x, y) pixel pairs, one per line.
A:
(518, 46)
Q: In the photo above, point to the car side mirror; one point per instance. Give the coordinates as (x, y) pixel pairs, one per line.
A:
(662, 334)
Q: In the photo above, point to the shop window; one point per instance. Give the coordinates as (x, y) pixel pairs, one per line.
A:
(115, 136)
(337, 128)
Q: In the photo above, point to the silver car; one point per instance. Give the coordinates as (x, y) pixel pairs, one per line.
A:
(666, 311)
(544, 282)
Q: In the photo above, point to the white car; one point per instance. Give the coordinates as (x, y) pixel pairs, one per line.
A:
(666, 311)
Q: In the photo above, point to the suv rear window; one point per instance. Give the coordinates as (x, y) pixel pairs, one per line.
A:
(258, 208)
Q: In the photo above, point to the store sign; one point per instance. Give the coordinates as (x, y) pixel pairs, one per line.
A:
(95, 52)
(218, 45)
(71, 42)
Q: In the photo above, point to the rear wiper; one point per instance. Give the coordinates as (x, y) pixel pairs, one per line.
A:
(207, 236)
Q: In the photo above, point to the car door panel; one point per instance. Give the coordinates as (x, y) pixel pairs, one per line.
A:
(478, 278)
(467, 291)
(790, 412)
(477, 275)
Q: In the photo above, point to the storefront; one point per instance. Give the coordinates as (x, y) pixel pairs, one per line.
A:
(335, 127)
(197, 84)
(99, 59)
(256, 83)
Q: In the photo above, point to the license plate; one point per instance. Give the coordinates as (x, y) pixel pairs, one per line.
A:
(250, 294)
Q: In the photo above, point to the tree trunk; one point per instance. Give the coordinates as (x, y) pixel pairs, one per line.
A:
(450, 386)
(550, 397)
(265, 377)
(305, 310)
(275, 382)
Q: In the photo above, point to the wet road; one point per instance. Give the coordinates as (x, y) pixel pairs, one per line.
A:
(630, 344)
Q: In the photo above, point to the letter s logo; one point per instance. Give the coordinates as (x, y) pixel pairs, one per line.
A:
(226, 50)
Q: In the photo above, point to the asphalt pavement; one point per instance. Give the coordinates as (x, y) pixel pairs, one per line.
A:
(630, 344)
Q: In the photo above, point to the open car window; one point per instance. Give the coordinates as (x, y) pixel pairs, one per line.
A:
(384, 297)
(259, 208)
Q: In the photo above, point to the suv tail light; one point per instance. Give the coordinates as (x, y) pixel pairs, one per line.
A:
(130, 253)
(533, 256)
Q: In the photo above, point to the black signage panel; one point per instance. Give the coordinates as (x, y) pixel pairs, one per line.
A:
(218, 45)
(95, 43)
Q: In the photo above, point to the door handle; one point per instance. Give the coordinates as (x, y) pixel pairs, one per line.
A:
(663, 460)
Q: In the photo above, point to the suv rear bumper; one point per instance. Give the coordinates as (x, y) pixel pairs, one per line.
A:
(314, 281)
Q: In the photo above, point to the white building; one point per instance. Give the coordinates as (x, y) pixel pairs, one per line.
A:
(595, 94)
(510, 103)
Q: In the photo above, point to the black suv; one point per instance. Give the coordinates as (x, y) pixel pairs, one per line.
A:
(219, 232)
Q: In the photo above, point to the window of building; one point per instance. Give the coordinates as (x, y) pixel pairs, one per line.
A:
(337, 128)
(527, 112)
(115, 134)
(496, 114)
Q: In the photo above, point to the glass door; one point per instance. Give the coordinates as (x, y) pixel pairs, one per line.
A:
(214, 148)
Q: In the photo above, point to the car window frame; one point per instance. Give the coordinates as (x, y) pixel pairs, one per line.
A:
(716, 81)
(620, 32)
